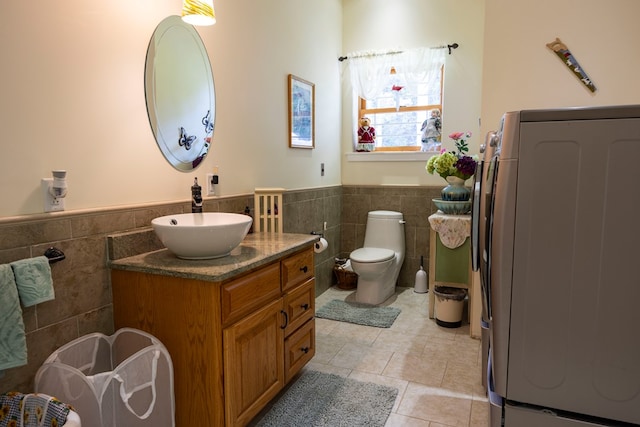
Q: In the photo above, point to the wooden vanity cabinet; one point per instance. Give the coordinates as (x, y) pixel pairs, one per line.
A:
(253, 363)
(299, 348)
(299, 286)
(258, 349)
(234, 344)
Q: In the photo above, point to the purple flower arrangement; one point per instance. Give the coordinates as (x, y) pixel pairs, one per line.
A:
(454, 163)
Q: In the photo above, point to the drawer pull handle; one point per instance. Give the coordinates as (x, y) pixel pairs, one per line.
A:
(305, 350)
(304, 306)
(304, 269)
(286, 319)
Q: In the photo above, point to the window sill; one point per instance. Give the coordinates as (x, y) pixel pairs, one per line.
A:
(391, 156)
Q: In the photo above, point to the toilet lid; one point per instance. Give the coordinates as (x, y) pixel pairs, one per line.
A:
(372, 255)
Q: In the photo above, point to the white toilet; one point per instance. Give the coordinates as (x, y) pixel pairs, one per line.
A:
(378, 263)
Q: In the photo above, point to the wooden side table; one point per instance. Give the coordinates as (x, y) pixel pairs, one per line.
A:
(450, 262)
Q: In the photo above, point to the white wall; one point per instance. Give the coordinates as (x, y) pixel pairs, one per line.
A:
(520, 72)
(73, 92)
(73, 98)
(383, 24)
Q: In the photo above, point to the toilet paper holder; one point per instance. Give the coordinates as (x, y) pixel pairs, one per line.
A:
(321, 245)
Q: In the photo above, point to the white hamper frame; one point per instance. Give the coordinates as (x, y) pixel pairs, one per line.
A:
(113, 381)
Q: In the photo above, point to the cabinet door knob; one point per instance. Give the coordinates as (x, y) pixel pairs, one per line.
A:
(304, 269)
(286, 319)
(304, 306)
(305, 350)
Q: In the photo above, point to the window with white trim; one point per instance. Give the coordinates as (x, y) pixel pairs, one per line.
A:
(400, 92)
(401, 115)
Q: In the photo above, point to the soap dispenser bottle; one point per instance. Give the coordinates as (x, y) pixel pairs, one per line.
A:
(247, 212)
(196, 197)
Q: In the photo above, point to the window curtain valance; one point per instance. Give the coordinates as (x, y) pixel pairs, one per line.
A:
(369, 69)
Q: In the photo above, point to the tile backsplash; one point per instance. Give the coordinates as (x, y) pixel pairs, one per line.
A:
(83, 301)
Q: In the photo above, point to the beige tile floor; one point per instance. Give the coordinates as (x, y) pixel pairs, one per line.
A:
(436, 370)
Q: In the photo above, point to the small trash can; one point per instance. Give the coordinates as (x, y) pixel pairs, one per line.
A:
(125, 379)
(449, 305)
(346, 278)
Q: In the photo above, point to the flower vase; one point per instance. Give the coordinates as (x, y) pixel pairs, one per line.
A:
(455, 191)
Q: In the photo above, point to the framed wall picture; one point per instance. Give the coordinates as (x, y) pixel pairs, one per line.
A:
(301, 113)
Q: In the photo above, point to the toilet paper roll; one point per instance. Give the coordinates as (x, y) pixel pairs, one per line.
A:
(320, 246)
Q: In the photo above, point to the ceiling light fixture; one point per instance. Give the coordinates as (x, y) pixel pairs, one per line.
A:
(196, 12)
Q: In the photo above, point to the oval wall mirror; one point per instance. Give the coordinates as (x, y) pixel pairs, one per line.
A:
(180, 93)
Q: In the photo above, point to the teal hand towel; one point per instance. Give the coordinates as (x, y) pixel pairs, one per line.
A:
(33, 279)
(13, 341)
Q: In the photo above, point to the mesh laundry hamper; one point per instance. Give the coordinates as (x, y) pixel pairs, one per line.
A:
(125, 379)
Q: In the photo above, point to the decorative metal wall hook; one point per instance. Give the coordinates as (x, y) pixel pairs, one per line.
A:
(54, 255)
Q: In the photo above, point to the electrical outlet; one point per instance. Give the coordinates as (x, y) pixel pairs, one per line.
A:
(51, 204)
(211, 191)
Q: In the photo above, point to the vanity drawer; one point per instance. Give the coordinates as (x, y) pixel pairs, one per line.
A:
(297, 268)
(300, 305)
(243, 295)
(299, 348)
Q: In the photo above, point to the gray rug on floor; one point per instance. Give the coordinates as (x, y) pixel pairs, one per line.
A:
(327, 400)
(360, 314)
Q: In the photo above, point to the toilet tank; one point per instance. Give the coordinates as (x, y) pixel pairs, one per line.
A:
(385, 229)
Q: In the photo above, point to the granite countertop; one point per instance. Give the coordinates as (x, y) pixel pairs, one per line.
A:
(256, 250)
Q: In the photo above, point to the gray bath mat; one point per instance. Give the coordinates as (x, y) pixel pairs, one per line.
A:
(360, 314)
(327, 400)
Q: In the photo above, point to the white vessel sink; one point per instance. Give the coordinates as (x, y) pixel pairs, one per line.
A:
(202, 235)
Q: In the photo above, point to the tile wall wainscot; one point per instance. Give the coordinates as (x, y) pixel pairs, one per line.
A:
(306, 211)
(83, 301)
